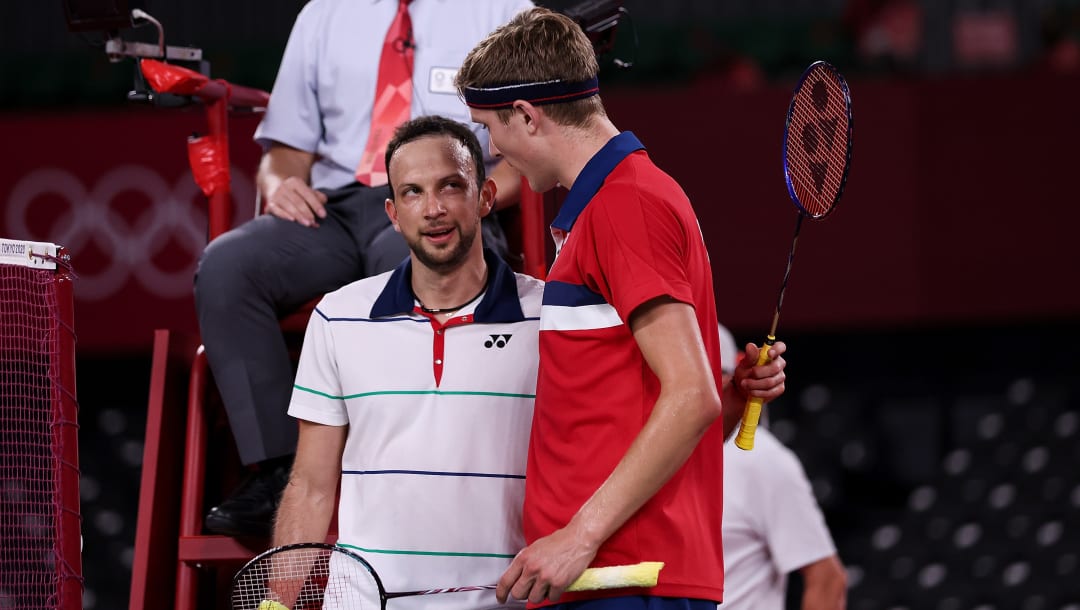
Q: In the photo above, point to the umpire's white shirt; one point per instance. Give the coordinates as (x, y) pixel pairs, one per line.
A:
(324, 93)
(771, 523)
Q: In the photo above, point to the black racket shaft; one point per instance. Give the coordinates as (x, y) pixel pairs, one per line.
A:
(752, 415)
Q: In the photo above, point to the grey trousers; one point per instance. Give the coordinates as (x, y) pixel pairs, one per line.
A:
(250, 277)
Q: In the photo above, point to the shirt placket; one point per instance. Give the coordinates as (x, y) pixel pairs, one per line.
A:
(438, 342)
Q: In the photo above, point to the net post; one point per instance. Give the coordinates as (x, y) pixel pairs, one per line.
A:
(40, 526)
(69, 521)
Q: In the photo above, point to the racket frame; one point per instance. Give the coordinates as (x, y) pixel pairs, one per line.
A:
(332, 548)
(745, 438)
(847, 138)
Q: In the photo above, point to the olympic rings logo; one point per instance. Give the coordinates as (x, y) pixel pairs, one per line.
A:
(130, 247)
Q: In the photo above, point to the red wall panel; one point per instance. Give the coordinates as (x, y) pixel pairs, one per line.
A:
(115, 188)
(960, 207)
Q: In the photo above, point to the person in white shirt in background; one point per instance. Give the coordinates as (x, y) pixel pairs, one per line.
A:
(772, 525)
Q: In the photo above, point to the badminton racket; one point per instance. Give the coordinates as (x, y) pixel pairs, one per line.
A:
(817, 155)
(313, 575)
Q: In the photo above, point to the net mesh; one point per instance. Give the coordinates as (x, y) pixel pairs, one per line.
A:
(32, 566)
(817, 147)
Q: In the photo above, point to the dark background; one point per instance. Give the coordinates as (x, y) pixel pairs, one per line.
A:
(931, 321)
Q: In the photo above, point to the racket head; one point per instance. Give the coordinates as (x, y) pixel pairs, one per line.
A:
(307, 576)
(817, 140)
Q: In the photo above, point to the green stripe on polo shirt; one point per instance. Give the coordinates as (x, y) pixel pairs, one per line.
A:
(429, 553)
(412, 392)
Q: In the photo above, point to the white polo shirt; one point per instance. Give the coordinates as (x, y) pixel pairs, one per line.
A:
(324, 92)
(433, 472)
(771, 523)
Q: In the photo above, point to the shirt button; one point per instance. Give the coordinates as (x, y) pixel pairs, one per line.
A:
(438, 332)
(438, 361)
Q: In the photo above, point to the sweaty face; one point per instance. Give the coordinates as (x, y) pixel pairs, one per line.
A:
(437, 205)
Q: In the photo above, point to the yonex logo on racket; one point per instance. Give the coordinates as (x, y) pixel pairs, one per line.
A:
(498, 341)
(817, 140)
(824, 130)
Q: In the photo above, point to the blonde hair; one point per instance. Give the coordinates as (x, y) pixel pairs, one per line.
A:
(537, 45)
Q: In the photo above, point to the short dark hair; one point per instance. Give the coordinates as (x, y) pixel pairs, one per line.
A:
(434, 125)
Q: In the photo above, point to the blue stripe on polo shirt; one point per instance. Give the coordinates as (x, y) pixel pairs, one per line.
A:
(436, 473)
(379, 320)
(562, 294)
(412, 392)
(420, 319)
(569, 307)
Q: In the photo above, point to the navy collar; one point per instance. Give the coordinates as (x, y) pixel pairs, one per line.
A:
(592, 177)
(500, 302)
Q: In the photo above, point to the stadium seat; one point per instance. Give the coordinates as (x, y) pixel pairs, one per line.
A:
(990, 505)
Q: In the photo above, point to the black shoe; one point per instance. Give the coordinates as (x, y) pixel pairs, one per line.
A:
(250, 510)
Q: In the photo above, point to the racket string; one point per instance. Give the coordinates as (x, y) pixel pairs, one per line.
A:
(305, 579)
(817, 149)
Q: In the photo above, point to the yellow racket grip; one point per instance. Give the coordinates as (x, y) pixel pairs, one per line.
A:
(269, 604)
(745, 439)
(644, 574)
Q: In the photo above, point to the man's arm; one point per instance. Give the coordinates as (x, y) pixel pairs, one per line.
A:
(667, 334)
(283, 181)
(307, 504)
(824, 585)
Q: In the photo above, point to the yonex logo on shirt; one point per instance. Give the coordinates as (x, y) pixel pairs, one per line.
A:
(499, 341)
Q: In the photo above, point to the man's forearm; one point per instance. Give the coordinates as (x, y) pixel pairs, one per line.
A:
(672, 433)
(666, 332)
(824, 585)
(303, 516)
(734, 405)
(280, 162)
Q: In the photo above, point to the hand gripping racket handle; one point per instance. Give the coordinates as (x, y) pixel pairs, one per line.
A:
(745, 439)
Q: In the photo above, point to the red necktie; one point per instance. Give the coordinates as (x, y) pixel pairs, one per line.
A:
(393, 100)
